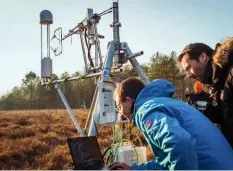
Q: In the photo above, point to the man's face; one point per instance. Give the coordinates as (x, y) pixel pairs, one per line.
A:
(124, 107)
(193, 68)
(198, 91)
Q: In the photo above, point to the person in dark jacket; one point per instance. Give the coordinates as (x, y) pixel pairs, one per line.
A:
(199, 96)
(180, 136)
(215, 68)
(203, 102)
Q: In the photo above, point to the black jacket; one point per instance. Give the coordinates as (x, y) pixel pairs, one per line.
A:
(221, 80)
(203, 102)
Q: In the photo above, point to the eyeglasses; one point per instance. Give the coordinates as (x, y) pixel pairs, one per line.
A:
(118, 107)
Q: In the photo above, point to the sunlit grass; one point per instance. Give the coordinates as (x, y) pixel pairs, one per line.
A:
(36, 139)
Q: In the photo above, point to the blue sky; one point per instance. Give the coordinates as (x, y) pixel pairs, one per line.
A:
(148, 25)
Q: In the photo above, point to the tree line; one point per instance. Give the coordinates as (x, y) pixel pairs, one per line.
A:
(31, 95)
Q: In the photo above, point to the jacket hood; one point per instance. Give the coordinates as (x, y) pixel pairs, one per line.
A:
(157, 88)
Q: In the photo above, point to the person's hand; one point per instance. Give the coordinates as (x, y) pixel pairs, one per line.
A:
(195, 105)
(222, 95)
(119, 166)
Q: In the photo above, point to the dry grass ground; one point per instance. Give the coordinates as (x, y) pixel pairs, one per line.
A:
(36, 139)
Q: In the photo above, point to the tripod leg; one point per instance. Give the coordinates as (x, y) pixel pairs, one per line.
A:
(69, 109)
(93, 117)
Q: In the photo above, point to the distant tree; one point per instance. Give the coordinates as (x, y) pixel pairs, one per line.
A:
(64, 75)
(76, 74)
(29, 86)
(32, 95)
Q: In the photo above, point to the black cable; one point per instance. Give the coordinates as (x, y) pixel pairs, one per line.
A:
(89, 56)
(88, 48)
(96, 128)
(105, 152)
(85, 36)
(109, 157)
(108, 148)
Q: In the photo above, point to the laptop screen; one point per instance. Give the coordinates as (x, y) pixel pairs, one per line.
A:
(85, 153)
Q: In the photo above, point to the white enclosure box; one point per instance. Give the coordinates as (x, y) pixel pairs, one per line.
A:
(107, 106)
(130, 155)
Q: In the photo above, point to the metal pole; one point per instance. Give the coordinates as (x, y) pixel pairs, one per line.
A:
(69, 109)
(93, 129)
(108, 62)
(135, 55)
(137, 67)
(84, 53)
(90, 126)
(72, 78)
(116, 35)
(96, 56)
(47, 41)
(41, 32)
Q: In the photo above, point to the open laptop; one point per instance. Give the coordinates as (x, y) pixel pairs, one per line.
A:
(85, 153)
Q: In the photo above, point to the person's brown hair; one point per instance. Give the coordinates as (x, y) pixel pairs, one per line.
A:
(223, 52)
(130, 87)
(217, 46)
(194, 50)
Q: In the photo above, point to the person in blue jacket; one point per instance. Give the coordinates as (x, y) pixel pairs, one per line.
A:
(180, 137)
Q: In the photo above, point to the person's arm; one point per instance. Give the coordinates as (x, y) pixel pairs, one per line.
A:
(151, 165)
(177, 145)
(228, 107)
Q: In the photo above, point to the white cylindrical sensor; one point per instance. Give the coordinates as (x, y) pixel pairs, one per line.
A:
(46, 68)
(46, 19)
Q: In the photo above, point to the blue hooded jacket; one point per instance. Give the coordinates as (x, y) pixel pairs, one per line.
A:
(180, 137)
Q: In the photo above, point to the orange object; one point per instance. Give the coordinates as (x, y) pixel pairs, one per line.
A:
(198, 86)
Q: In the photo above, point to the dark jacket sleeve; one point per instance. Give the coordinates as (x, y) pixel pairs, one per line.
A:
(228, 94)
(228, 107)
